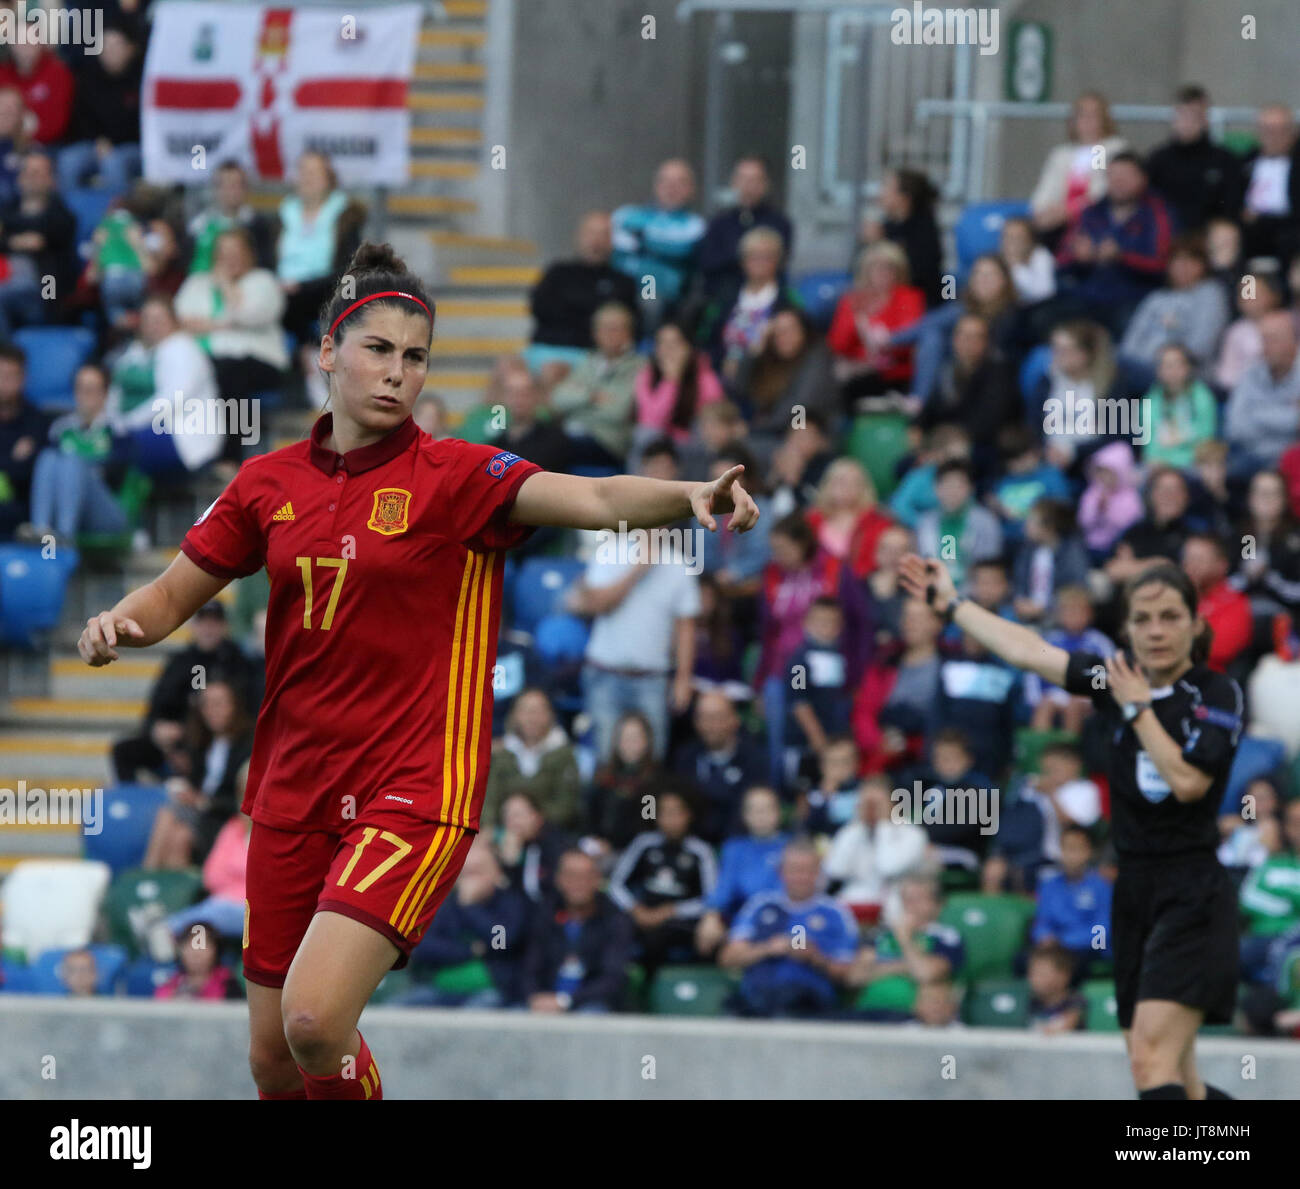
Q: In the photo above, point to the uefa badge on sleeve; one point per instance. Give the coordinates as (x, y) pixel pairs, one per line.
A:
(390, 511)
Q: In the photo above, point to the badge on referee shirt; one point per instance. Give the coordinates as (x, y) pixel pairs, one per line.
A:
(389, 514)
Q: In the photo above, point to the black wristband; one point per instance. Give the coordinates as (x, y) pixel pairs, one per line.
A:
(952, 609)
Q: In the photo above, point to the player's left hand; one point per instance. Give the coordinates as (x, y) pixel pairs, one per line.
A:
(724, 495)
(1126, 683)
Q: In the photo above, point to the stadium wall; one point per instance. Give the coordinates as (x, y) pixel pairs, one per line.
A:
(112, 1049)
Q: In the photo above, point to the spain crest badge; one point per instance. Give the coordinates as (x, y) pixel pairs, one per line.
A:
(390, 511)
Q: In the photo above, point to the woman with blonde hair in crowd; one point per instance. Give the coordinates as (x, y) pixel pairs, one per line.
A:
(1074, 174)
(847, 517)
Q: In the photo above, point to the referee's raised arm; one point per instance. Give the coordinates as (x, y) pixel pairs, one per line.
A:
(149, 614)
(929, 580)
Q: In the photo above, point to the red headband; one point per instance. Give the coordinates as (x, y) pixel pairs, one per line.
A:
(374, 296)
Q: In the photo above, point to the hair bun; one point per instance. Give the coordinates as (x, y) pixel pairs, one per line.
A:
(375, 258)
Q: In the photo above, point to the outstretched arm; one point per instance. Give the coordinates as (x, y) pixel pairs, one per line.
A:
(149, 614)
(927, 579)
(571, 501)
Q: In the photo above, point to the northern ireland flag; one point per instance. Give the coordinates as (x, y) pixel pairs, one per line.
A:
(260, 85)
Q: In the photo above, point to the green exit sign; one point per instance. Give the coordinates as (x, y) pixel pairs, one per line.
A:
(1029, 62)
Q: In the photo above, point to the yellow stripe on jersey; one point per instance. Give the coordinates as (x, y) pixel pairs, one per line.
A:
(463, 701)
(452, 668)
(462, 819)
(415, 880)
(431, 882)
(447, 837)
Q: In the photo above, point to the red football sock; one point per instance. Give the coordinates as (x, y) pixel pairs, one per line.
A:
(301, 1092)
(364, 1083)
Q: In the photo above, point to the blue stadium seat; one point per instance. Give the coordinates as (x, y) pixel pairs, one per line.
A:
(53, 355)
(15, 977)
(979, 229)
(560, 638)
(819, 292)
(43, 974)
(1256, 759)
(1032, 370)
(88, 204)
(129, 811)
(32, 589)
(143, 976)
(540, 588)
(594, 472)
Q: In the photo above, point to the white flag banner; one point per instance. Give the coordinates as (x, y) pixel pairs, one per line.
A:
(261, 85)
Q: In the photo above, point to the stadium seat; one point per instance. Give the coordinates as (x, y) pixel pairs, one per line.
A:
(139, 900)
(1255, 759)
(144, 976)
(393, 984)
(52, 904)
(129, 811)
(89, 205)
(690, 991)
(43, 973)
(1033, 369)
(993, 929)
(820, 292)
(32, 590)
(465, 978)
(131, 498)
(878, 441)
(53, 355)
(978, 230)
(561, 638)
(540, 587)
(998, 1003)
(1030, 745)
(476, 425)
(15, 976)
(1102, 1014)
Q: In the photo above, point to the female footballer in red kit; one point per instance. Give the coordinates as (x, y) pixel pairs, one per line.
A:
(384, 550)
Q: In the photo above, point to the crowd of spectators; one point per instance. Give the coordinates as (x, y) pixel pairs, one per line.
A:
(714, 783)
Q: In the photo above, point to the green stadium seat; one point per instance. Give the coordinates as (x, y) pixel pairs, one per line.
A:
(690, 991)
(466, 978)
(634, 990)
(1102, 1014)
(1030, 745)
(137, 897)
(993, 928)
(878, 441)
(998, 1003)
(477, 425)
(393, 984)
(132, 496)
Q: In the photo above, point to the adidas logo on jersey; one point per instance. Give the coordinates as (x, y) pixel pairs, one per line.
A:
(284, 513)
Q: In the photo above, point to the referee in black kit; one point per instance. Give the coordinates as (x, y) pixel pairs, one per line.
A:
(1175, 727)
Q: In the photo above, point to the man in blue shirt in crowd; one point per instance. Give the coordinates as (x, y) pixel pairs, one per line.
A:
(795, 946)
(1074, 906)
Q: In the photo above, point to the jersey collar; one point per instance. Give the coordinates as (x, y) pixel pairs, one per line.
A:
(363, 458)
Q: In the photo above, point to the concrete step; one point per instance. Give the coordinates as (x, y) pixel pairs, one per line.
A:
(460, 247)
(122, 714)
(486, 349)
(130, 678)
(424, 169)
(45, 755)
(19, 842)
(429, 206)
(493, 276)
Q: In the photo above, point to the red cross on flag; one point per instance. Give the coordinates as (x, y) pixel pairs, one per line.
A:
(260, 85)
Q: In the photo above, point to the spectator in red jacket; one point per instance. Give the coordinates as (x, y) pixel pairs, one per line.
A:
(46, 87)
(881, 301)
(1227, 611)
(847, 519)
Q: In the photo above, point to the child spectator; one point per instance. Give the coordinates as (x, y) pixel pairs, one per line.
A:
(625, 778)
(913, 949)
(661, 881)
(980, 693)
(959, 838)
(79, 973)
(1181, 411)
(736, 560)
(1252, 833)
(959, 530)
(750, 864)
(869, 854)
(1052, 706)
(70, 493)
(1192, 312)
(1074, 906)
(201, 976)
(1270, 895)
(990, 588)
(1033, 271)
(1025, 479)
(1064, 796)
(795, 946)
(831, 801)
(1111, 502)
(1051, 556)
(719, 427)
(1242, 345)
(915, 494)
(884, 593)
(1053, 1006)
(937, 1004)
(819, 697)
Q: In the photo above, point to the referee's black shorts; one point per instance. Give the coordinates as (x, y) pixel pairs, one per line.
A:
(1174, 932)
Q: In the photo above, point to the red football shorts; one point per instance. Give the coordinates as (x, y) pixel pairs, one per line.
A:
(389, 870)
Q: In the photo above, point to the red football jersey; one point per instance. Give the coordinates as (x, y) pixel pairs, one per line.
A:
(381, 631)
